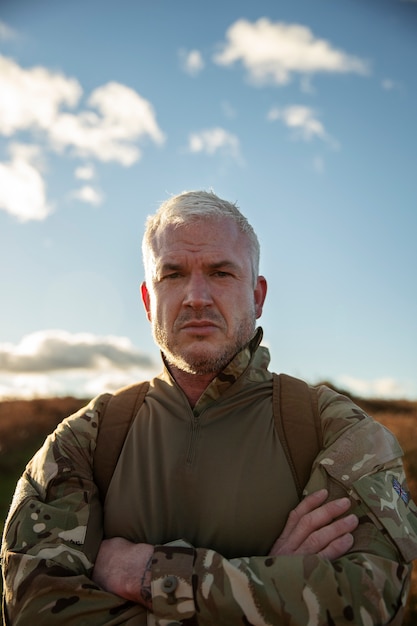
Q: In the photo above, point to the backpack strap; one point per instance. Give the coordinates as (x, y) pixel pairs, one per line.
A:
(297, 421)
(117, 412)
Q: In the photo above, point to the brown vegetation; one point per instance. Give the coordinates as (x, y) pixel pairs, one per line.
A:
(25, 424)
(21, 420)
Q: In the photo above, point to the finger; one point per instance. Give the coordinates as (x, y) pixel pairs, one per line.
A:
(308, 504)
(326, 541)
(299, 529)
(338, 547)
(311, 502)
(319, 540)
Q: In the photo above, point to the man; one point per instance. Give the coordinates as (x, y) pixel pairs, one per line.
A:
(202, 523)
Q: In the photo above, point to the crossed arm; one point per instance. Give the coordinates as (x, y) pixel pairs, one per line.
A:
(52, 542)
(313, 527)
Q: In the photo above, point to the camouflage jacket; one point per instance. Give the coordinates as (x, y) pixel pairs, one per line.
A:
(55, 527)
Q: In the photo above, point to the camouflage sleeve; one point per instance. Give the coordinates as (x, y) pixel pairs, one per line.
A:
(369, 585)
(52, 536)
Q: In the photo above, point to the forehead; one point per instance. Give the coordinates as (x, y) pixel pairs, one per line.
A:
(202, 237)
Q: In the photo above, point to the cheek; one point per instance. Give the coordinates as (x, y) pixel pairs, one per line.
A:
(243, 303)
(154, 310)
(164, 308)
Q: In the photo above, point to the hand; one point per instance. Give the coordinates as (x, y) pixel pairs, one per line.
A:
(313, 528)
(124, 568)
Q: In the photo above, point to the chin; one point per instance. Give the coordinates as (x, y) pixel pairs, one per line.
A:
(208, 361)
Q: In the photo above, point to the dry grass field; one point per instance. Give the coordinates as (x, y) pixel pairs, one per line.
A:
(24, 425)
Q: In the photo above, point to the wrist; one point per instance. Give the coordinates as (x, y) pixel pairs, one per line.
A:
(145, 591)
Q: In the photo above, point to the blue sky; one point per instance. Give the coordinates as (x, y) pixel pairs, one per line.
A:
(301, 111)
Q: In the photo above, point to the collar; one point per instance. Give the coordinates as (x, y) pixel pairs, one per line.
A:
(252, 355)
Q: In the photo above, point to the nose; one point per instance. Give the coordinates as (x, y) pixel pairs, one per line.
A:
(197, 292)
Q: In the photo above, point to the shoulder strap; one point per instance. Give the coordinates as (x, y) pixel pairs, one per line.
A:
(297, 421)
(117, 412)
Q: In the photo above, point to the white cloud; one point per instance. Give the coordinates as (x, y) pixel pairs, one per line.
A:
(191, 62)
(124, 117)
(36, 101)
(22, 188)
(85, 384)
(28, 386)
(32, 98)
(214, 140)
(109, 130)
(6, 32)
(85, 172)
(56, 363)
(112, 380)
(89, 195)
(272, 52)
(303, 120)
(55, 350)
(377, 388)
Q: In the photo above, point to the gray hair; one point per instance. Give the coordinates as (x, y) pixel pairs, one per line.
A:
(191, 206)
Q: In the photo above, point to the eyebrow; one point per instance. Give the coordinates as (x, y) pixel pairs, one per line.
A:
(169, 267)
(225, 264)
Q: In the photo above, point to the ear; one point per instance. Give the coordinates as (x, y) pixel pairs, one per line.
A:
(260, 295)
(146, 299)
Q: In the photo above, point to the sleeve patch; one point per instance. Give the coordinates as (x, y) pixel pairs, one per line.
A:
(389, 504)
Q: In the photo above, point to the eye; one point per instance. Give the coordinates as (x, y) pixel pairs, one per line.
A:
(221, 274)
(172, 276)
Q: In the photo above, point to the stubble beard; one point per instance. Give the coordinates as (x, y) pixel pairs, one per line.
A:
(204, 361)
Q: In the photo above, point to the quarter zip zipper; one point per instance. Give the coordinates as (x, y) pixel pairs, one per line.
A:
(192, 445)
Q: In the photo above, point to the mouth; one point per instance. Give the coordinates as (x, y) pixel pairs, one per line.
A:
(199, 326)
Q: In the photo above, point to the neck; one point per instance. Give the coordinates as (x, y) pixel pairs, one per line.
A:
(193, 385)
